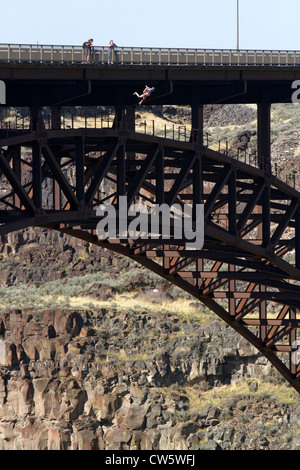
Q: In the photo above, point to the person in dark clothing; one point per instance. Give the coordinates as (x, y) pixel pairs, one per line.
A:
(87, 49)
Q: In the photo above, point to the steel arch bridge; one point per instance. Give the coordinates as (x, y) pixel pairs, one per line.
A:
(248, 271)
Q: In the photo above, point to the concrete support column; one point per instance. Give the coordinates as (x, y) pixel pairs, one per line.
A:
(197, 124)
(36, 118)
(55, 117)
(16, 156)
(130, 118)
(37, 176)
(119, 117)
(130, 125)
(55, 125)
(264, 136)
(80, 154)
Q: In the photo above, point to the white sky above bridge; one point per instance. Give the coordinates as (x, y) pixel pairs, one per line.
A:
(264, 24)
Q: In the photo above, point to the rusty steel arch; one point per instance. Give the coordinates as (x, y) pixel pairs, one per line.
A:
(248, 271)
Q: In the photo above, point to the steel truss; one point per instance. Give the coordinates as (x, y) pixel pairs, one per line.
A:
(248, 270)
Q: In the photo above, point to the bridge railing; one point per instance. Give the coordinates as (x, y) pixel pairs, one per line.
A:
(180, 133)
(103, 120)
(69, 54)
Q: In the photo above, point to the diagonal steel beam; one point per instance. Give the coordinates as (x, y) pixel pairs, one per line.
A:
(281, 334)
(221, 182)
(59, 176)
(100, 172)
(257, 192)
(284, 311)
(284, 222)
(16, 184)
(180, 179)
(142, 174)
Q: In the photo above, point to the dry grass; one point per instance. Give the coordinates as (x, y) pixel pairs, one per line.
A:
(181, 307)
(200, 399)
(219, 396)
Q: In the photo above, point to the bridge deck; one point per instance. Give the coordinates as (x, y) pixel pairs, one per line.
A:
(71, 54)
(62, 74)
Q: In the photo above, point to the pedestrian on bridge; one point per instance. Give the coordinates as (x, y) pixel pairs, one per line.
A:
(146, 93)
(110, 51)
(87, 50)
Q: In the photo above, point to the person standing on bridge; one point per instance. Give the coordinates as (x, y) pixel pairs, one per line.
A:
(87, 49)
(146, 93)
(110, 51)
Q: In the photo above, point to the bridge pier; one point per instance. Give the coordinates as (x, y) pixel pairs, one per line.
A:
(124, 118)
(128, 122)
(36, 118)
(130, 117)
(197, 124)
(16, 158)
(55, 117)
(37, 176)
(264, 136)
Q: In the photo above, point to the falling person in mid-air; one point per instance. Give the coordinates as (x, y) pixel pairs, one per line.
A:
(146, 93)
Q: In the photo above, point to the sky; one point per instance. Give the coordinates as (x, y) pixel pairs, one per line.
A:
(209, 24)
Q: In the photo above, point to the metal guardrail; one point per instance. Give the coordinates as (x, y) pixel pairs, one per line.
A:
(23, 124)
(99, 121)
(52, 54)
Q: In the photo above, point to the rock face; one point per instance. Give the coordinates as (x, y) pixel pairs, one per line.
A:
(222, 115)
(110, 380)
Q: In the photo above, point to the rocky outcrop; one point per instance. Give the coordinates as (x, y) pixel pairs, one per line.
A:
(224, 115)
(110, 380)
(243, 139)
(38, 255)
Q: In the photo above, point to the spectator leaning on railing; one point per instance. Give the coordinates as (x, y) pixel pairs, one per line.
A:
(110, 52)
(87, 48)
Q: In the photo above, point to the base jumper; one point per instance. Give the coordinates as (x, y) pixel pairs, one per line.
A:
(146, 93)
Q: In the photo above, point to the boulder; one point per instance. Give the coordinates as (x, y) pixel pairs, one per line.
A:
(8, 354)
(136, 417)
